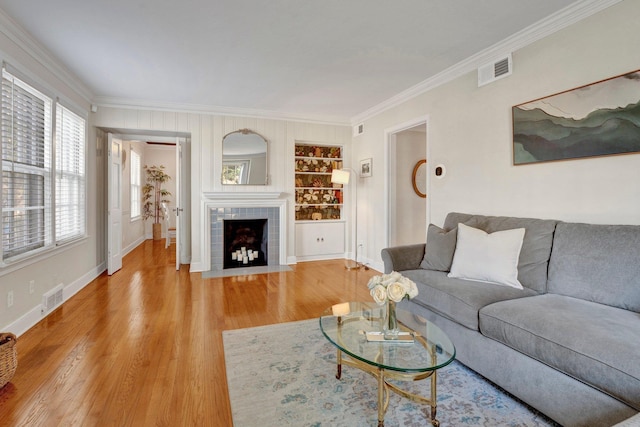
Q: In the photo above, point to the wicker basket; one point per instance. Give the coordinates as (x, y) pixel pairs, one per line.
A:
(8, 357)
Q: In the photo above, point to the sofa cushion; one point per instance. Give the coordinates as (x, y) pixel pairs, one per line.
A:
(594, 343)
(441, 244)
(487, 257)
(536, 246)
(457, 299)
(597, 263)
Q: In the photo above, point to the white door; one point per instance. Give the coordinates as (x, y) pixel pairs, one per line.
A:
(114, 205)
(179, 146)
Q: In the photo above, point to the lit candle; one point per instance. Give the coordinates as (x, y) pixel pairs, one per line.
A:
(256, 254)
(234, 256)
(250, 256)
(245, 260)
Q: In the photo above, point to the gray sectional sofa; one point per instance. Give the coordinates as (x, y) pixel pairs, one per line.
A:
(568, 342)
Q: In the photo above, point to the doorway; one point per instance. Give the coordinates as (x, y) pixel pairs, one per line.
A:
(407, 198)
(171, 151)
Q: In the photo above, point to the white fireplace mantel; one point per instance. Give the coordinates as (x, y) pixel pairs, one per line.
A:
(211, 200)
(217, 195)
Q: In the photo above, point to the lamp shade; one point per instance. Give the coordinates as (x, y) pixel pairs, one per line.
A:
(339, 176)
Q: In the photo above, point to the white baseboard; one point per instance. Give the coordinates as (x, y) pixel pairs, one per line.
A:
(133, 245)
(318, 257)
(33, 316)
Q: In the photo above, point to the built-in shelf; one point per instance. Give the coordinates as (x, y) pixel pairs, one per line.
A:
(316, 197)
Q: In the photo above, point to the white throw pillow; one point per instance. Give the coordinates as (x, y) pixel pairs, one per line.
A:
(484, 257)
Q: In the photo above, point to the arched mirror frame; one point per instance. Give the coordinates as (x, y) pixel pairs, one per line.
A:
(238, 166)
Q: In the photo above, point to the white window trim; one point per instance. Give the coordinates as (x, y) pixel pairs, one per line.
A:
(25, 259)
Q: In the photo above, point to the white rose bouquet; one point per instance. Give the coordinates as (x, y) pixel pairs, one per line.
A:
(393, 286)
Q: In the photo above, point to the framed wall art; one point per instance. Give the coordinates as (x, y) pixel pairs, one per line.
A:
(598, 119)
(366, 168)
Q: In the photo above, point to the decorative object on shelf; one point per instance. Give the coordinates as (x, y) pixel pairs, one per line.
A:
(419, 178)
(8, 357)
(316, 197)
(597, 119)
(366, 167)
(153, 196)
(389, 289)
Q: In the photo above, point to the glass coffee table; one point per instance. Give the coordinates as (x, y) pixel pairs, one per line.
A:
(346, 325)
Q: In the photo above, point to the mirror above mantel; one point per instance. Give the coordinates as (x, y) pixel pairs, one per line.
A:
(244, 158)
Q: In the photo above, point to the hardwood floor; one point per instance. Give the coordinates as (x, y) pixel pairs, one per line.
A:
(144, 346)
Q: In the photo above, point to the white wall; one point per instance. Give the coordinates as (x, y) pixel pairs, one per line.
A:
(75, 264)
(207, 131)
(469, 131)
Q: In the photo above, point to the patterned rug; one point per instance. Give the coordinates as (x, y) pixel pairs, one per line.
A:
(284, 375)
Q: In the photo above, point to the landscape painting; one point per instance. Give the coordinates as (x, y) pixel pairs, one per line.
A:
(599, 119)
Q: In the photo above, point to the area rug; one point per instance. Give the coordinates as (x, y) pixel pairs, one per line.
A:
(284, 375)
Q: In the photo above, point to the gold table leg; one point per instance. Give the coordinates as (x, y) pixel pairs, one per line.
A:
(381, 407)
(384, 386)
(434, 400)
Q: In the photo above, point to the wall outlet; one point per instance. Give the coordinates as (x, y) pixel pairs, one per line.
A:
(9, 299)
(32, 286)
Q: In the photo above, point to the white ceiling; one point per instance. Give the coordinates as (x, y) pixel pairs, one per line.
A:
(323, 60)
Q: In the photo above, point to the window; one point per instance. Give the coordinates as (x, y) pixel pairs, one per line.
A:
(135, 186)
(70, 175)
(26, 168)
(235, 172)
(43, 196)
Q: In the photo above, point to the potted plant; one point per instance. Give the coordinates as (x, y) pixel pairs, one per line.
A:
(153, 196)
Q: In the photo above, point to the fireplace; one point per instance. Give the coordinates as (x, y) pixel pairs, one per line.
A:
(245, 242)
(219, 207)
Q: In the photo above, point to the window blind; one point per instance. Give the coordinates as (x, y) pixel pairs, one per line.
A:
(26, 167)
(136, 205)
(70, 175)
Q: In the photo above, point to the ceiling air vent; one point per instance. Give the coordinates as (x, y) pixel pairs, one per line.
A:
(358, 129)
(495, 70)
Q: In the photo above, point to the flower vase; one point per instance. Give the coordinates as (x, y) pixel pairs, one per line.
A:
(390, 327)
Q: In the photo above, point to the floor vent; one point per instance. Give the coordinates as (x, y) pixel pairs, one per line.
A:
(495, 70)
(52, 299)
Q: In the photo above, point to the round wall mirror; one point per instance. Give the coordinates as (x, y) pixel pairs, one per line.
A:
(244, 158)
(419, 178)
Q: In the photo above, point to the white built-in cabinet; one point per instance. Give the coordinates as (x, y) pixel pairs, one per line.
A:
(319, 240)
(320, 226)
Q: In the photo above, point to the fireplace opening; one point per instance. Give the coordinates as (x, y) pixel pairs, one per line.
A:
(245, 243)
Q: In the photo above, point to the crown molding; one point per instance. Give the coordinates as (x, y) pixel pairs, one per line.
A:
(35, 50)
(137, 104)
(563, 18)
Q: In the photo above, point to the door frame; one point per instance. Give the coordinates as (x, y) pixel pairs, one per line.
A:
(185, 165)
(389, 167)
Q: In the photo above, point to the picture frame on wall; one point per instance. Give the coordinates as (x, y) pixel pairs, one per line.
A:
(366, 168)
(598, 119)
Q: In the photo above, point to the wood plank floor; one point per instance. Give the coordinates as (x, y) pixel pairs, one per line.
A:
(144, 347)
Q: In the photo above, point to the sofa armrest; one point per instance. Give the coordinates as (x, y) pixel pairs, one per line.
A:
(400, 258)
